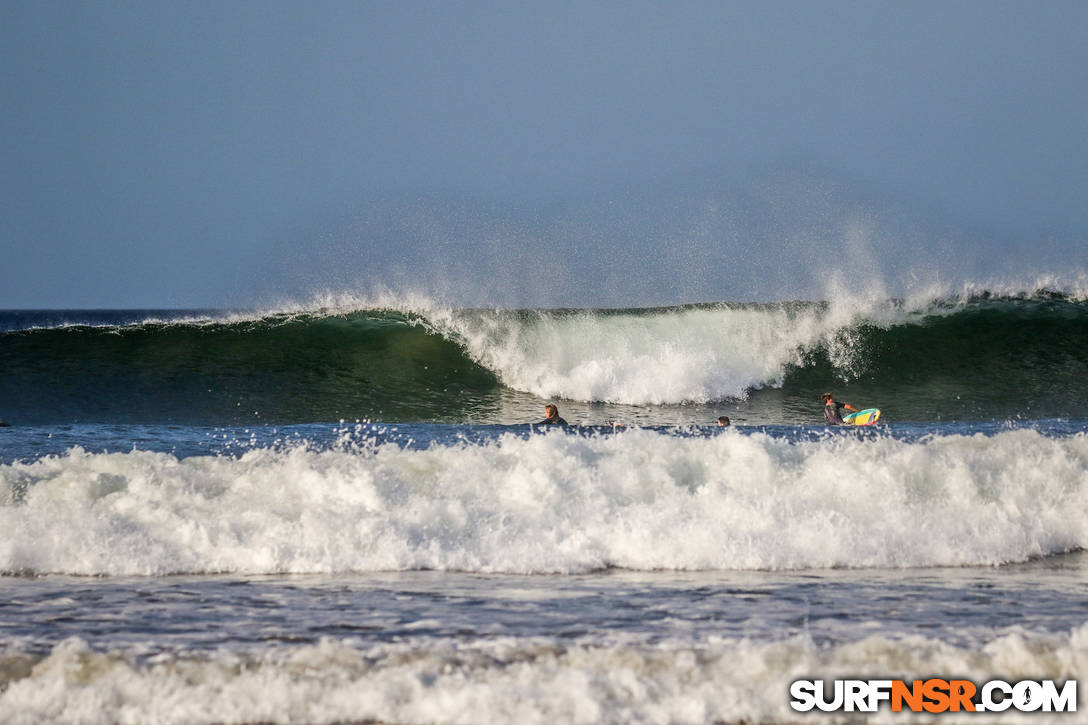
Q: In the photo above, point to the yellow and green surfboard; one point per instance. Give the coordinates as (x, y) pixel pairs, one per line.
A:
(862, 417)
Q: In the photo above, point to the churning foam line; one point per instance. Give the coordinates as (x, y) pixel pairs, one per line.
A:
(553, 503)
(506, 679)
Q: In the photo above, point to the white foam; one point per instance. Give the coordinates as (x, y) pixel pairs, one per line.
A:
(506, 680)
(677, 355)
(553, 503)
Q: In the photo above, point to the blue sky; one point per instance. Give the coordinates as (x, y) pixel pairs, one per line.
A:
(207, 153)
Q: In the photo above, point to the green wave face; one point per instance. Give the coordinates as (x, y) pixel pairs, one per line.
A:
(271, 370)
(981, 359)
(988, 359)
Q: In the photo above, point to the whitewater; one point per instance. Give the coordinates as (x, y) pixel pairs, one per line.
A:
(551, 503)
(342, 511)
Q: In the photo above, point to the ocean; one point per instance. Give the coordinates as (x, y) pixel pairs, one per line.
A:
(340, 512)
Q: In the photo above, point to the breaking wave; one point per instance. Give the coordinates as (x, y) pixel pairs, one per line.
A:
(978, 357)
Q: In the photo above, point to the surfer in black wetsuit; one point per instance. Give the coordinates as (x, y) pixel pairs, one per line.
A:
(723, 420)
(552, 414)
(833, 410)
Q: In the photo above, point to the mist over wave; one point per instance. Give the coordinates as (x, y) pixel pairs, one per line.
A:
(552, 503)
(797, 229)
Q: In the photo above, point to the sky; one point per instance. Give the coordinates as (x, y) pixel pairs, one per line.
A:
(206, 154)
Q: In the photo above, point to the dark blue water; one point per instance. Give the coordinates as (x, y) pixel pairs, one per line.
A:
(27, 443)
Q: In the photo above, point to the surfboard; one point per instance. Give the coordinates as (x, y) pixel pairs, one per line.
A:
(868, 416)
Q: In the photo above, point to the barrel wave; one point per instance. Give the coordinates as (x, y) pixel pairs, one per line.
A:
(982, 357)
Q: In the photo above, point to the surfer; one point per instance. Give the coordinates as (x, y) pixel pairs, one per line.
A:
(552, 416)
(832, 409)
(723, 420)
